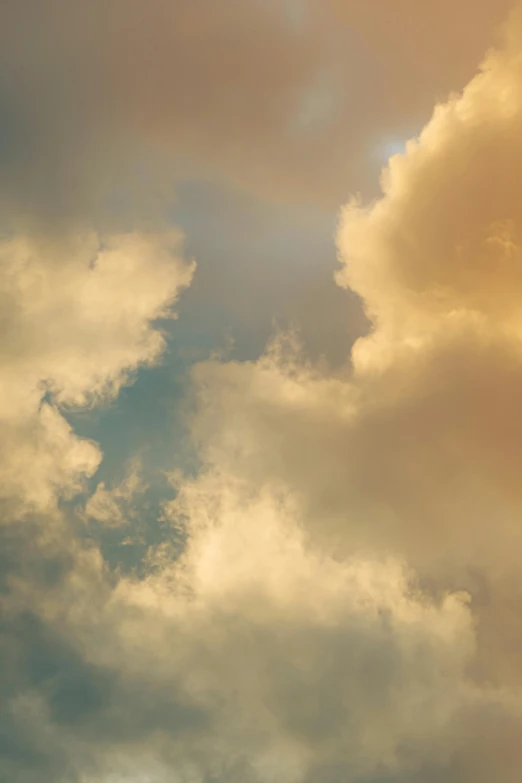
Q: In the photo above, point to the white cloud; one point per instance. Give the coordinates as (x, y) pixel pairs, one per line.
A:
(78, 317)
(294, 661)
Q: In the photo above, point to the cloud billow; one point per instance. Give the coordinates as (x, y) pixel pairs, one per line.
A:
(346, 604)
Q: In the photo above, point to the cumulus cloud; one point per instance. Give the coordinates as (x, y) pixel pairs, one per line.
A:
(256, 656)
(341, 609)
(307, 645)
(430, 407)
(78, 316)
(436, 262)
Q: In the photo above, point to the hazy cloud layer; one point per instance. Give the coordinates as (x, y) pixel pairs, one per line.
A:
(103, 101)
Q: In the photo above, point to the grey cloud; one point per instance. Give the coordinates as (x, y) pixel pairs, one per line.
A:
(91, 92)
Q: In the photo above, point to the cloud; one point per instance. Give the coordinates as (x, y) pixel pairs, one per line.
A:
(436, 262)
(410, 251)
(430, 408)
(78, 317)
(261, 95)
(114, 507)
(341, 609)
(291, 620)
(256, 656)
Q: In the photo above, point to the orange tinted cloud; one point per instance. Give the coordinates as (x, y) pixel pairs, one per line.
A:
(347, 604)
(288, 101)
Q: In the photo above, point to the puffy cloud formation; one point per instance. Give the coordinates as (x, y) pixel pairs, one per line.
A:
(77, 317)
(346, 606)
(436, 262)
(256, 656)
(429, 409)
(314, 488)
(262, 95)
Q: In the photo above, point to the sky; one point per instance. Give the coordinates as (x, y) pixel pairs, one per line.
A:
(260, 382)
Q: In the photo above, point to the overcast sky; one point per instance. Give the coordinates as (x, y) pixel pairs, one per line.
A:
(260, 383)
